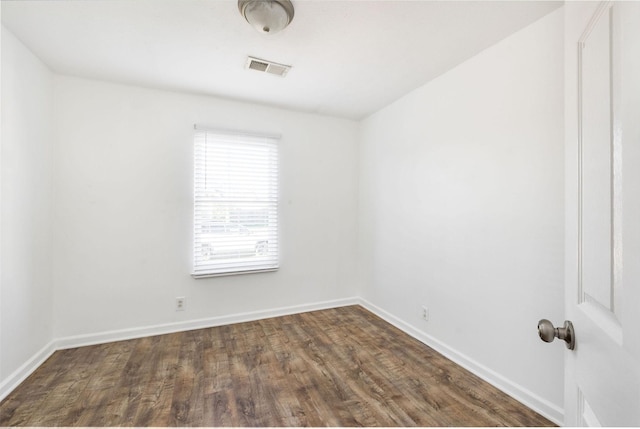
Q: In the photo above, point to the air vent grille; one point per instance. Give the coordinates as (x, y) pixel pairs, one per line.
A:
(258, 65)
(267, 66)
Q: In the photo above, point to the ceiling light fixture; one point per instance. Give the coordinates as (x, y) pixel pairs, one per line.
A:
(267, 16)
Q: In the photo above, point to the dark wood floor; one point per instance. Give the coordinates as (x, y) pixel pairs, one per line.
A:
(338, 367)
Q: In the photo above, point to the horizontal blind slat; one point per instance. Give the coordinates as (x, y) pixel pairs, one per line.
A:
(235, 203)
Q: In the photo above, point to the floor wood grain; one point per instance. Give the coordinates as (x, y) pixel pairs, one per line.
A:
(337, 367)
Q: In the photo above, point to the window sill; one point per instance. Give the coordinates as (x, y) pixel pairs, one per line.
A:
(233, 273)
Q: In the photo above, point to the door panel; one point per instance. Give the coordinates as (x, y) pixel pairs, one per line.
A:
(595, 157)
(602, 385)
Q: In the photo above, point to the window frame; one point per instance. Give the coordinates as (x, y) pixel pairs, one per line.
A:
(205, 198)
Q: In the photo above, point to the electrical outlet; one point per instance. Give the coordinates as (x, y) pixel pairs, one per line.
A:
(425, 313)
(180, 303)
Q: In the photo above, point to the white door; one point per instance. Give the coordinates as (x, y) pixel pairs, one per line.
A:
(602, 114)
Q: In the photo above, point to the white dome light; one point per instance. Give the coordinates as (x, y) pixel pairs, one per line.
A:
(267, 16)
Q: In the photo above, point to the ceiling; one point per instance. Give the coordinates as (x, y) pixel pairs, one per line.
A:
(350, 57)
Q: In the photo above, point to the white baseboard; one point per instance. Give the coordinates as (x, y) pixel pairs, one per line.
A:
(521, 394)
(26, 369)
(168, 328)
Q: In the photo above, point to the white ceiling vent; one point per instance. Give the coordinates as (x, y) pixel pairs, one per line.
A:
(267, 66)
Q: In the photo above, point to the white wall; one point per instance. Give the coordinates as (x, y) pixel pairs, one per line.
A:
(27, 136)
(123, 208)
(461, 209)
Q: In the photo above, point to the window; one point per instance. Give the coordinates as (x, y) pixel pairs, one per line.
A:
(236, 203)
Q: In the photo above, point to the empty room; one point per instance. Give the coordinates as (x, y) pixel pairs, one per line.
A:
(319, 213)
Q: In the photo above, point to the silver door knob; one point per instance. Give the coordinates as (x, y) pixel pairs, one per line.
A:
(548, 333)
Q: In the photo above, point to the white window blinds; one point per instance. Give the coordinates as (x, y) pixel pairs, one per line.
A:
(236, 204)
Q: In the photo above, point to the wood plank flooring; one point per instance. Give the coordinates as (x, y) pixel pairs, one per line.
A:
(338, 367)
